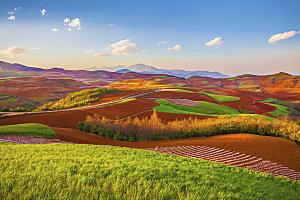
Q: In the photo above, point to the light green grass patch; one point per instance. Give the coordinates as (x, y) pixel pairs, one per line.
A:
(3, 96)
(9, 100)
(221, 98)
(38, 98)
(232, 78)
(179, 90)
(256, 90)
(30, 129)
(210, 86)
(2, 80)
(280, 110)
(276, 77)
(272, 100)
(216, 108)
(205, 82)
(127, 100)
(168, 107)
(248, 86)
(79, 171)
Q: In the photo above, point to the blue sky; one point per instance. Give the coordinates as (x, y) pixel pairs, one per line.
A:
(171, 34)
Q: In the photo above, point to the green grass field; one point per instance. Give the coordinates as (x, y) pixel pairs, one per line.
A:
(210, 86)
(31, 129)
(256, 90)
(75, 171)
(216, 108)
(168, 107)
(186, 91)
(9, 100)
(280, 111)
(221, 98)
(271, 100)
(248, 86)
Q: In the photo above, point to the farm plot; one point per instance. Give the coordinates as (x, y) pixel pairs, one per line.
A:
(169, 107)
(221, 98)
(230, 158)
(185, 106)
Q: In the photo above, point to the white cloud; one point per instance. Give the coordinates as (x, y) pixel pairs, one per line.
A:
(102, 54)
(175, 48)
(214, 42)
(11, 13)
(69, 29)
(12, 17)
(34, 48)
(15, 50)
(125, 47)
(18, 8)
(162, 42)
(54, 29)
(75, 23)
(43, 11)
(67, 20)
(283, 36)
(91, 51)
(111, 25)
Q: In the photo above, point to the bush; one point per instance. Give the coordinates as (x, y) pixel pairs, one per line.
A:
(154, 128)
(77, 99)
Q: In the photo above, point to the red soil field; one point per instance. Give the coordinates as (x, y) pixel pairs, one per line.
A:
(248, 104)
(277, 150)
(69, 119)
(183, 95)
(124, 109)
(118, 95)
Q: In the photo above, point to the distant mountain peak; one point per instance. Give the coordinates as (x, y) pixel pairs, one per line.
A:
(148, 69)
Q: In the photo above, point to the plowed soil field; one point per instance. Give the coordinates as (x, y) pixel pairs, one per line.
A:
(277, 150)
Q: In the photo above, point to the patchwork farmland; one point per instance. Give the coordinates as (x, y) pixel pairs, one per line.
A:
(244, 127)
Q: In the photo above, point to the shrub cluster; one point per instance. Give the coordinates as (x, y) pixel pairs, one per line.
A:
(25, 108)
(77, 99)
(154, 128)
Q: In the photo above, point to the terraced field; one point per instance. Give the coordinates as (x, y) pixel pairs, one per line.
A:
(230, 158)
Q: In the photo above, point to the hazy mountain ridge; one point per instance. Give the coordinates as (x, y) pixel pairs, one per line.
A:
(147, 69)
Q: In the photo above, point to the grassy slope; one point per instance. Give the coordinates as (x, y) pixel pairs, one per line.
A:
(219, 109)
(32, 129)
(185, 91)
(281, 110)
(221, 98)
(169, 107)
(73, 171)
(203, 108)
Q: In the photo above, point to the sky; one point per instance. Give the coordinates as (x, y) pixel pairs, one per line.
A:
(232, 37)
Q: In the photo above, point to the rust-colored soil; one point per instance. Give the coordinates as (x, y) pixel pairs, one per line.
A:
(118, 95)
(124, 109)
(277, 150)
(251, 105)
(69, 119)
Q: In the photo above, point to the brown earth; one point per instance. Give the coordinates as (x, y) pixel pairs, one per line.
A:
(277, 150)
(69, 119)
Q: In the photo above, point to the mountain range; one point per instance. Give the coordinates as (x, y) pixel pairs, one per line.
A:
(147, 69)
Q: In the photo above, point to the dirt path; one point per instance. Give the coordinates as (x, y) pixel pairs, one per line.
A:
(277, 150)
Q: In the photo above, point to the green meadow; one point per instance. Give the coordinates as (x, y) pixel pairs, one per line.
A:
(76, 171)
(221, 98)
(30, 129)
